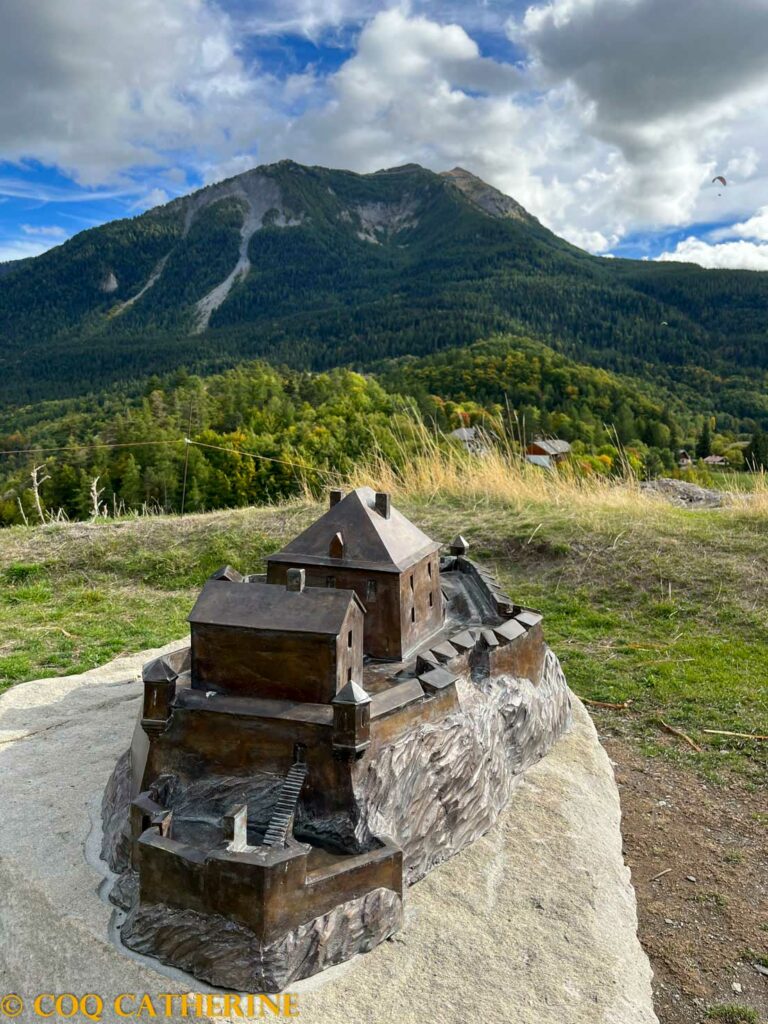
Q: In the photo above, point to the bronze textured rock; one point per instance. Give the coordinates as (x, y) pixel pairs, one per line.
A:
(333, 732)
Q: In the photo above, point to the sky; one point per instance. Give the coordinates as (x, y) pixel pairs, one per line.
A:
(607, 119)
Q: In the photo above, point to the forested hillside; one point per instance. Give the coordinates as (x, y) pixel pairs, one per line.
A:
(259, 434)
(313, 268)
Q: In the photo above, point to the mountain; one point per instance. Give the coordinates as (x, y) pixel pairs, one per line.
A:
(315, 268)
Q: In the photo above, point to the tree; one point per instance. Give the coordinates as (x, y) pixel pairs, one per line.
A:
(756, 454)
(704, 442)
(131, 489)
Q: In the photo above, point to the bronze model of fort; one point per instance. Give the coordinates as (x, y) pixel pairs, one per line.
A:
(335, 729)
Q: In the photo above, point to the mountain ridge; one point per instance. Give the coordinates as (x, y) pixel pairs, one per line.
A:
(314, 267)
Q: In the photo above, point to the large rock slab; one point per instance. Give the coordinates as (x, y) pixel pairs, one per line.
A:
(534, 922)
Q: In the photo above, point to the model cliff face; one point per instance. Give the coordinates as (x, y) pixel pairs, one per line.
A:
(334, 730)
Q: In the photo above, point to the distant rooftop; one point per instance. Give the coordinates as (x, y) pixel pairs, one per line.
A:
(552, 446)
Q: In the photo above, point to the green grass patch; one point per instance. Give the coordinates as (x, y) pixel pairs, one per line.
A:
(732, 1014)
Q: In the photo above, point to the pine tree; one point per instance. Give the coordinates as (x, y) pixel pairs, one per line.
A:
(704, 443)
(131, 490)
(756, 452)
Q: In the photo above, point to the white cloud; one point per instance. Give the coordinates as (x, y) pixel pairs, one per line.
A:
(724, 255)
(18, 188)
(100, 86)
(675, 91)
(44, 230)
(21, 248)
(155, 197)
(617, 123)
(323, 19)
(414, 91)
(756, 227)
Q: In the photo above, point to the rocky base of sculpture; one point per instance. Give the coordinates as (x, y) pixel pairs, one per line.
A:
(541, 909)
(229, 956)
(458, 774)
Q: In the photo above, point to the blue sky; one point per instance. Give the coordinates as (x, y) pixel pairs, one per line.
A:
(607, 119)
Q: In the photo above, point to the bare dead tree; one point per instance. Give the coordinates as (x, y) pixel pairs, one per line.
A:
(23, 513)
(96, 493)
(37, 482)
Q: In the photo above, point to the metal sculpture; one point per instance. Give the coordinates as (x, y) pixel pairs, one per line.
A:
(333, 731)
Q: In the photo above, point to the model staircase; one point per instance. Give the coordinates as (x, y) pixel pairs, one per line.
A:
(281, 821)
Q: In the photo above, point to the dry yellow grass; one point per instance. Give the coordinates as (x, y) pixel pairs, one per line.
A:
(441, 471)
(447, 473)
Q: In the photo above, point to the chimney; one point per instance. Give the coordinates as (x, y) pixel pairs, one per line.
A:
(382, 504)
(336, 496)
(295, 579)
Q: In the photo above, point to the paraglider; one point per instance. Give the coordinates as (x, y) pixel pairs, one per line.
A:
(721, 179)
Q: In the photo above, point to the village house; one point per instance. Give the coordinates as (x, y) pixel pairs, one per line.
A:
(546, 453)
(472, 438)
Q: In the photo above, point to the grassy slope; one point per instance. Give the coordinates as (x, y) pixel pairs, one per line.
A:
(642, 601)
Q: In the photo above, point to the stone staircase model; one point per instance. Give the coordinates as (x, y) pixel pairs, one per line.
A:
(281, 821)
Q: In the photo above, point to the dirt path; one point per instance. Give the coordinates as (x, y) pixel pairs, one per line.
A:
(699, 860)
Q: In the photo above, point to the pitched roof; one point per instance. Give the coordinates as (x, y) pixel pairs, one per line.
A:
(464, 433)
(371, 540)
(552, 446)
(352, 693)
(269, 606)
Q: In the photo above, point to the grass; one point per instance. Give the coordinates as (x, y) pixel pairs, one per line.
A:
(732, 1014)
(643, 602)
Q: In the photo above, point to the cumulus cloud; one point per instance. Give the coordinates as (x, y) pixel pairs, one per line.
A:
(101, 86)
(724, 255)
(755, 227)
(155, 197)
(645, 62)
(604, 117)
(416, 90)
(663, 85)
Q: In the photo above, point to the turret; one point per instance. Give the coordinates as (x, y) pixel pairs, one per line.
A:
(351, 720)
